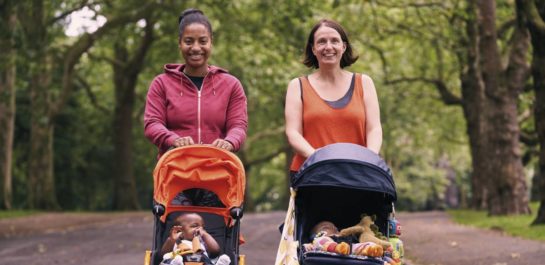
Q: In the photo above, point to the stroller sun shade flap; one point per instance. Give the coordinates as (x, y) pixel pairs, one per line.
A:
(346, 165)
(198, 166)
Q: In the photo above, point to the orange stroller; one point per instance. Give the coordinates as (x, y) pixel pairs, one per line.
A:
(190, 172)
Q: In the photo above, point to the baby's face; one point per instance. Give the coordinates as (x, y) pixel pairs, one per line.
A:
(190, 223)
(328, 227)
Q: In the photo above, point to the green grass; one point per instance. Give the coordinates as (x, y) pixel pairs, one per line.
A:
(512, 225)
(15, 213)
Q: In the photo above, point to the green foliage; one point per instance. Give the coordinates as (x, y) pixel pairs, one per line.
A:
(262, 43)
(512, 225)
(15, 213)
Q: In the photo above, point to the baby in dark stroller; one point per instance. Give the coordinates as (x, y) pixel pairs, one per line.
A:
(339, 183)
(325, 236)
(189, 241)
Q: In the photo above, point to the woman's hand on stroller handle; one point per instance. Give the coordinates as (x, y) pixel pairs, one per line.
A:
(223, 144)
(183, 141)
(187, 140)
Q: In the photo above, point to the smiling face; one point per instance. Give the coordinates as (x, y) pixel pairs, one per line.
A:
(190, 223)
(196, 46)
(328, 46)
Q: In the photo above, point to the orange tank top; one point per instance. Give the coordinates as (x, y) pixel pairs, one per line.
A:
(323, 124)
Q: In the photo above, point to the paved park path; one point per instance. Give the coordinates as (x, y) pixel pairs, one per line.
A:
(121, 238)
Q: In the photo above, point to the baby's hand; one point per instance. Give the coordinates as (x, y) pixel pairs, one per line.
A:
(198, 231)
(176, 232)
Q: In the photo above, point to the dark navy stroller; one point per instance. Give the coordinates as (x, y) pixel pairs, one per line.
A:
(339, 183)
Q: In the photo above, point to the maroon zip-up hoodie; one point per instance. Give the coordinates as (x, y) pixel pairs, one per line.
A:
(174, 108)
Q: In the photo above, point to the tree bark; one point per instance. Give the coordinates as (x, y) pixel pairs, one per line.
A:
(490, 93)
(503, 168)
(535, 12)
(126, 71)
(472, 104)
(40, 180)
(7, 100)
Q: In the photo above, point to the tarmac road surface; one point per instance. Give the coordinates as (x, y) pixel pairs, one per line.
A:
(122, 238)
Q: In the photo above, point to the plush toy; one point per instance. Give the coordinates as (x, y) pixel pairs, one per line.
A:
(394, 254)
(184, 248)
(394, 228)
(363, 228)
(369, 249)
(322, 242)
(397, 245)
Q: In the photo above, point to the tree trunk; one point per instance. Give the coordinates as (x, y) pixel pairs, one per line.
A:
(40, 179)
(124, 185)
(126, 71)
(503, 170)
(490, 107)
(536, 25)
(40, 184)
(472, 104)
(7, 101)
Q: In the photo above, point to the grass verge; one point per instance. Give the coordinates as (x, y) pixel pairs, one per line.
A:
(15, 213)
(512, 225)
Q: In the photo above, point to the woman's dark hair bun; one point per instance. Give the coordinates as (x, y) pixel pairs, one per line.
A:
(188, 12)
(190, 16)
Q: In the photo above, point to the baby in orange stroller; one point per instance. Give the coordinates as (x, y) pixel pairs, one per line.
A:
(184, 173)
(189, 238)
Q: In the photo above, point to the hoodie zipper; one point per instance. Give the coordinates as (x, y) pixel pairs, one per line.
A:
(199, 92)
(199, 114)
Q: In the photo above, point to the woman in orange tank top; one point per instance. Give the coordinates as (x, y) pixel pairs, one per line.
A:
(331, 105)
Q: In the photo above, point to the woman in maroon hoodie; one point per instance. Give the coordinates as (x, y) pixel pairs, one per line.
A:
(195, 103)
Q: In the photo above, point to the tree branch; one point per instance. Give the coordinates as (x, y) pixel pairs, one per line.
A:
(531, 11)
(263, 134)
(137, 61)
(505, 27)
(518, 70)
(446, 96)
(382, 56)
(105, 58)
(68, 12)
(84, 43)
(265, 158)
(83, 84)
(529, 139)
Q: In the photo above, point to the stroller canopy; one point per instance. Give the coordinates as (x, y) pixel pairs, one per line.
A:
(199, 166)
(346, 165)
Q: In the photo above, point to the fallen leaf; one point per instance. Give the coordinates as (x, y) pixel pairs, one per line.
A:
(41, 248)
(515, 255)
